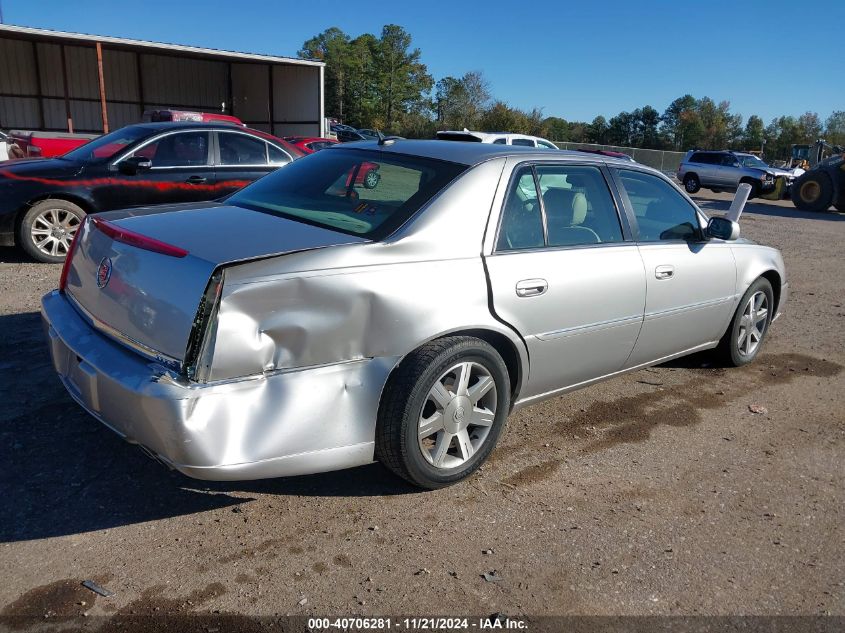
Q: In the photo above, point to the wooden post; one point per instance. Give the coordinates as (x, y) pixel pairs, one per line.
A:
(140, 84)
(270, 104)
(103, 107)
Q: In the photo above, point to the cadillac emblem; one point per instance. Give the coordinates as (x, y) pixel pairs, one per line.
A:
(103, 272)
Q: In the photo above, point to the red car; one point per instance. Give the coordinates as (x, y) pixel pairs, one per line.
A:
(367, 176)
(50, 144)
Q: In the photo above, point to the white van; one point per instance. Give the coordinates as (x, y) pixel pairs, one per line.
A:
(497, 138)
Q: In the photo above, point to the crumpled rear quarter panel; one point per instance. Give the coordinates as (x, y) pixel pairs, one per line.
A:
(363, 300)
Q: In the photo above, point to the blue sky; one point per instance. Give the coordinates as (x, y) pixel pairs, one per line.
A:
(573, 59)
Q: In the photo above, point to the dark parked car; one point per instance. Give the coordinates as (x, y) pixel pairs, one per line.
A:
(43, 201)
(347, 134)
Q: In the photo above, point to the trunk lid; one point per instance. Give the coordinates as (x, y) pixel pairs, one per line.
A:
(147, 299)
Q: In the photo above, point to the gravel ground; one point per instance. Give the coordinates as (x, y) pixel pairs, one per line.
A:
(656, 493)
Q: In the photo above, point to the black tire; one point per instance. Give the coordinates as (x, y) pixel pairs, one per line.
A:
(729, 349)
(371, 179)
(691, 183)
(812, 191)
(755, 188)
(69, 218)
(405, 395)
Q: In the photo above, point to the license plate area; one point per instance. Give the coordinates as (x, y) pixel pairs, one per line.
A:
(82, 377)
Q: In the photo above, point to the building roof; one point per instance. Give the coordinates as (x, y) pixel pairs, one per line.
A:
(65, 36)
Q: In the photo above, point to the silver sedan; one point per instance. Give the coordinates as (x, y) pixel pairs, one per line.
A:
(309, 323)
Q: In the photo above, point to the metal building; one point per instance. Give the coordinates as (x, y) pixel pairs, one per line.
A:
(69, 82)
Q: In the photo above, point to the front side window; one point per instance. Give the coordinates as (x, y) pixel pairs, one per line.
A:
(662, 212)
(546, 145)
(184, 149)
(525, 142)
(360, 192)
(240, 149)
(728, 160)
(752, 161)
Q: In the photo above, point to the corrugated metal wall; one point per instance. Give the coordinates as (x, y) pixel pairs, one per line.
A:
(17, 77)
(32, 88)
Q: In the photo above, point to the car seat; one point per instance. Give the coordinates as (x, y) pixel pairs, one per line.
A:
(566, 211)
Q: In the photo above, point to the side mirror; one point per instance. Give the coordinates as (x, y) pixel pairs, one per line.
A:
(722, 229)
(134, 165)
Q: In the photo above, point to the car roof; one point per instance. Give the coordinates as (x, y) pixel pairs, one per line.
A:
(471, 153)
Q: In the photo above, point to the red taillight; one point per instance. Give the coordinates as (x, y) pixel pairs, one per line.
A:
(69, 256)
(137, 240)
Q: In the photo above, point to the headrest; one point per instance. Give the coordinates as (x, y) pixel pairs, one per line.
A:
(579, 209)
(558, 204)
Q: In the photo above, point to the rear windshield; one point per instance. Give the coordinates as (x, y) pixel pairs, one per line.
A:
(357, 192)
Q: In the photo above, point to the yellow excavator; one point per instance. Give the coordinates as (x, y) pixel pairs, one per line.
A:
(823, 184)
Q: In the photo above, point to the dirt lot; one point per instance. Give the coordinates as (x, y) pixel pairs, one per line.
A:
(656, 493)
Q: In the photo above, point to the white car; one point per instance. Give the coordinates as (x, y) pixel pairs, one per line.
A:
(4, 147)
(497, 138)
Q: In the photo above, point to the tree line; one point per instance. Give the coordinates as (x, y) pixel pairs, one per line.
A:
(380, 82)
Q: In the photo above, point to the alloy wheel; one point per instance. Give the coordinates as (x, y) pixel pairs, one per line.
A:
(753, 322)
(53, 230)
(457, 415)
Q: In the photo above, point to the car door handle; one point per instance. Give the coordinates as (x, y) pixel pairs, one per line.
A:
(196, 180)
(664, 272)
(531, 287)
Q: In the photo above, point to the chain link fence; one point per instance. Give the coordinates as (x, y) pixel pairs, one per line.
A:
(665, 161)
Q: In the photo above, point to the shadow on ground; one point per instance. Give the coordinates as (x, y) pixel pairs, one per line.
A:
(64, 473)
(14, 255)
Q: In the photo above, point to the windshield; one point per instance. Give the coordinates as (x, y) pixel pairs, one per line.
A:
(752, 161)
(352, 191)
(105, 147)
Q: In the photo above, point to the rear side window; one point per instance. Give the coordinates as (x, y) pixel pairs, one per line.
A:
(662, 212)
(521, 226)
(351, 191)
(241, 149)
(578, 205)
(500, 141)
(277, 156)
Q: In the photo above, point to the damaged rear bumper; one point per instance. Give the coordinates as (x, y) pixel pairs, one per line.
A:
(290, 422)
